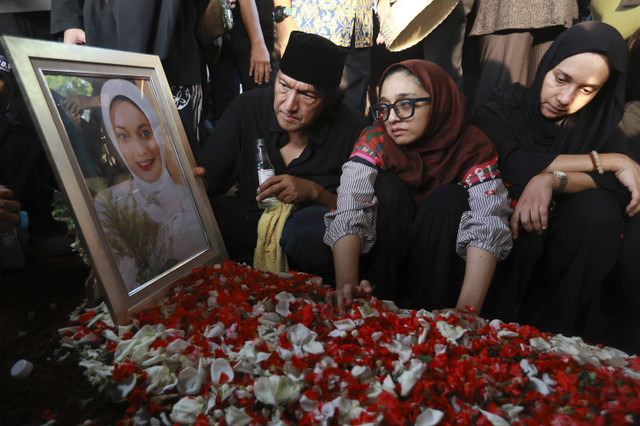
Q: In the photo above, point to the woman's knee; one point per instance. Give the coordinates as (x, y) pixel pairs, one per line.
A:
(391, 190)
(594, 213)
(448, 199)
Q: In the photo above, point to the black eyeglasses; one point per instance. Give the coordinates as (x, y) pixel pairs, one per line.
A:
(404, 108)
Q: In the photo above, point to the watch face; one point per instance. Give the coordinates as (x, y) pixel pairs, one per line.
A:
(279, 13)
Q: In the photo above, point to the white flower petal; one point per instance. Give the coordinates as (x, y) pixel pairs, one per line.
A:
(213, 331)
(496, 324)
(361, 372)
(429, 417)
(540, 344)
(307, 404)
(512, 410)
(540, 386)
(504, 334)
(299, 335)
(221, 366)
(270, 318)
(528, 368)
(451, 332)
(495, 419)
(439, 348)
(389, 386)
(284, 296)
(187, 409)
(123, 388)
(282, 308)
(161, 379)
(410, 377)
(275, 390)
(237, 416)
(189, 381)
(367, 311)
(346, 324)
(314, 347)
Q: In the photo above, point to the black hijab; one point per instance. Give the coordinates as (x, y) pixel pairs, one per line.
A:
(530, 141)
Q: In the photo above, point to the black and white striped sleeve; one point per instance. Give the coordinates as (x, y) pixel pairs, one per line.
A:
(486, 224)
(356, 207)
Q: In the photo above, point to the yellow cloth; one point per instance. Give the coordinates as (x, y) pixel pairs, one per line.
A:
(625, 19)
(268, 255)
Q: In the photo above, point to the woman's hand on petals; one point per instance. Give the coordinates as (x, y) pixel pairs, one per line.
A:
(344, 294)
(468, 319)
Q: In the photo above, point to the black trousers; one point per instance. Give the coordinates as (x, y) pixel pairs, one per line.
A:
(414, 261)
(553, 280)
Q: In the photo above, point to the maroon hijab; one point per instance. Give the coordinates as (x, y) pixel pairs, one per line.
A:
(450, 146)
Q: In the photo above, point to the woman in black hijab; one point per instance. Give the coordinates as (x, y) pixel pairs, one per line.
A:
(562, 158)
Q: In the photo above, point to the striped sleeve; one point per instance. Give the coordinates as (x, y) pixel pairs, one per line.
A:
(356, 208)
(486, 224)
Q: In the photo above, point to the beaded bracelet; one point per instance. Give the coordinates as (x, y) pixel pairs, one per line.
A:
(595, 161)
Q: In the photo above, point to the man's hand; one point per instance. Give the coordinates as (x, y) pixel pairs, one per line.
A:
(74, 36)
(291, 189)
(77, 103)
(8, 209)
(532, 209)
(200, 172)
(344, 294)
(74, 106)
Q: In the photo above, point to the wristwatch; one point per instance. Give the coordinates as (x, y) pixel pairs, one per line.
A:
(280, 13)
(563, 180)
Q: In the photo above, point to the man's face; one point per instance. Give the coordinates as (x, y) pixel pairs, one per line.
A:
(296, 104)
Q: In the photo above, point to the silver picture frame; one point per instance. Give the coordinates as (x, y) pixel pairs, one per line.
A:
(67, 88)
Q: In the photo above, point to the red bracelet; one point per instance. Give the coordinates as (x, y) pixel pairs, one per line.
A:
(593, 162)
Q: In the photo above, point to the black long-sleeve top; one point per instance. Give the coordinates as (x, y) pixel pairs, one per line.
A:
(229, 154)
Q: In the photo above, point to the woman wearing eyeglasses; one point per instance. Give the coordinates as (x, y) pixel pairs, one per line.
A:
(456, 201)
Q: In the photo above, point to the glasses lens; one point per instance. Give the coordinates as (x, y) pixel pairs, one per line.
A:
(380, 112)
(404, 108)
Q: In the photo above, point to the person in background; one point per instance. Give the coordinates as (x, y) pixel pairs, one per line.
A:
(8, 209)
(11, 256)
(245, 59)
(166, 29)
(563, 160)
(347, 24)
(508, 38)
(308, 133)
(445, 45)
(23, 163)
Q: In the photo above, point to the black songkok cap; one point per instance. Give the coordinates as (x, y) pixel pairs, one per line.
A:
(313, 59)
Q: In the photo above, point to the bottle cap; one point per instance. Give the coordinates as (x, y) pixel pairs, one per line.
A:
(24, 219)
(21, 369)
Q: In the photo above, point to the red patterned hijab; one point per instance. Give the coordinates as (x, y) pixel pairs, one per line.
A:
(450, 145)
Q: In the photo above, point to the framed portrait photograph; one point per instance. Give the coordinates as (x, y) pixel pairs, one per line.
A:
(114, 138)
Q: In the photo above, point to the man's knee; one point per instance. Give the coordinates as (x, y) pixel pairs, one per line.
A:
(302, 237)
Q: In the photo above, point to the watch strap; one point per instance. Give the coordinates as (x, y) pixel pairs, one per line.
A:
(280, 13)
(562, 176)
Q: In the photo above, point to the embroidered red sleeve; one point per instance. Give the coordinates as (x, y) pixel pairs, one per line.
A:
(481, 173)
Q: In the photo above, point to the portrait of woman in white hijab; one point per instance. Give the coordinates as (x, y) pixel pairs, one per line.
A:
(150, 221)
